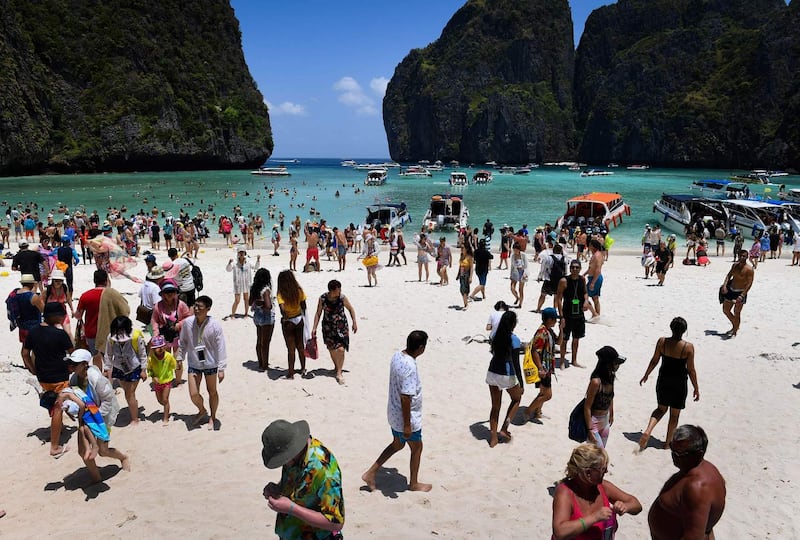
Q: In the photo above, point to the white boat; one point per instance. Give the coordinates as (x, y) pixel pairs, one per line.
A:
(458, 179)
(482, 177)
(390, 165)
(752, 217)
(349, 163)
(594, 209)
(719, 189)
(638, 167)
(792, 195)
(272, 171)
(376, 177)
(455, 164)
(522, 170)
(679, 211)
(391, 215)
(446, 212)
(759, 183)
(574, 167)
(596, 172)
(436, 167)
(415, 171)
(368, 166)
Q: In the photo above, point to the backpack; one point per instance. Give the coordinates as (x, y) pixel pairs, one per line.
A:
(197, 275)
(558, 269)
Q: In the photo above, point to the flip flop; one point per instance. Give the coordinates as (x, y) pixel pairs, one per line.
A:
(60, 453)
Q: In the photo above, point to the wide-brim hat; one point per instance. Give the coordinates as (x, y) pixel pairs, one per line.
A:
(282, 441)
(27, 279)
(155, 273)
(57, 274)
(610, 353)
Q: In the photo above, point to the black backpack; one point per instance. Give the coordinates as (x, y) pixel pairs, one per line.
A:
(197, 276)
(558, 269)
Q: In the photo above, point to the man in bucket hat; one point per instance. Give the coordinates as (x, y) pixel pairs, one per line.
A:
(308, 499)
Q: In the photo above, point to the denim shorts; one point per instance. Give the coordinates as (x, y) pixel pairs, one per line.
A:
(209, 371)
(133, 376)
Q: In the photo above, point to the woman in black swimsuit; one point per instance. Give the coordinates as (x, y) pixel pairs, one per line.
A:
(598, 409)
(677, 361)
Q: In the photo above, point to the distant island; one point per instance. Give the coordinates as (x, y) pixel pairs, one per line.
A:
(121, 86)
(675, 83)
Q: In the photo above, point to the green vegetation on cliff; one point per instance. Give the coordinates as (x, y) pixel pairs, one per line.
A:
(116, 85)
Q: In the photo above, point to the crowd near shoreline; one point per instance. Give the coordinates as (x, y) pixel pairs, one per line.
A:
(178, 315)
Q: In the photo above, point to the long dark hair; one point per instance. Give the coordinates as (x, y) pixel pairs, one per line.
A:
(260, 280)
(604, 370)
(288, 287)
(501, 343)
(121, 325)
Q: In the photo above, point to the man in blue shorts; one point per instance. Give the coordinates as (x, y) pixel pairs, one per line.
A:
(594, 276)
(404, 411)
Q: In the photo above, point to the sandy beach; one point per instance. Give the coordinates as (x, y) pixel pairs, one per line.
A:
(208, 484)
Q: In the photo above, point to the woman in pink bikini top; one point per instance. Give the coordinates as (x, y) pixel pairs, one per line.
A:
(585, 506)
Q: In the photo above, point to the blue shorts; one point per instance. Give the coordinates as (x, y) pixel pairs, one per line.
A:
(133, 376)
(482, 278)
(415, 436)
(209, 371)
(593, 291)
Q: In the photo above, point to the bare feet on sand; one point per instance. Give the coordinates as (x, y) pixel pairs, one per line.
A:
(369, 479)
(340, 379)
(419, 486)
(126, 463)
(643, 440)
(58, 452)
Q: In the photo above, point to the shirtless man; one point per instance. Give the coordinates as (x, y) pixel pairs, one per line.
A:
(341, 247)
(693, 499)
(734, 291)
(312, 252)
(594, 276)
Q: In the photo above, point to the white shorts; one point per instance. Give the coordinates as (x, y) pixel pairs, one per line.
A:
(503, 382)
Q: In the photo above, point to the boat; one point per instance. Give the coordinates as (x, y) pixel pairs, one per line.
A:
(458, 179)
(681, 210)
(593, 209)
(596, 172)
(753, 217)
(375, 177)
(415, 171)
(507, 169)
(349, 163)
(721, 189)
(446, 211)
(272, 171)
(482, 177)
(455, 164)
(522, 170)
(792, 195)
(612, 165)
(368, 166)
(392, 215)
(638, 167)
(574, 167)
(436, 167)
(390, 165)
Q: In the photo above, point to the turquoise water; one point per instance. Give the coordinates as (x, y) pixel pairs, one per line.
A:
(534, 198)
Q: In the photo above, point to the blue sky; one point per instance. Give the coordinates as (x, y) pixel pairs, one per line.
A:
(323, 65)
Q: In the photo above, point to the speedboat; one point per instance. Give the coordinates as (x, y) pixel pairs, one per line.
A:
(522, 170)
(482, 177)
(368, 166)
(392, 215)
(349, 163)
(416, 171)
(792, 195)
(681, 210)
(458, 179)
(375, 177)
(638, 167)
(594, 209)
(596, 172)
(272, 171)
(753, 217)
(437, 166)
(446, 211)
(758, 181)
(720, 189)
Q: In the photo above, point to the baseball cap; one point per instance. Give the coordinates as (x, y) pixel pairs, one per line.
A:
(549, 313)
(78, 355)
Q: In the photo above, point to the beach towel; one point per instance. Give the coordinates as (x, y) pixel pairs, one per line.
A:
(91, 416)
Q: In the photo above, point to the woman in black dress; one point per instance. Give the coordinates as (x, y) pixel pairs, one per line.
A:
(335, 333)
(677, 361)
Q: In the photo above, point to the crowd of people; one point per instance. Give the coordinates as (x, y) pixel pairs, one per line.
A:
(77, 369)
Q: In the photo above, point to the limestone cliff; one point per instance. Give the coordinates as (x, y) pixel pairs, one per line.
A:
(120, 86)
(496, 85)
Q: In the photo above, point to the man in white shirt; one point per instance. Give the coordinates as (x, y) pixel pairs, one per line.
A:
(202, 344)
(183, 276)
(404, 411)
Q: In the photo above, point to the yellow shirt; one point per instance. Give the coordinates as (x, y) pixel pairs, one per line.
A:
(163, 370)
(292, 310)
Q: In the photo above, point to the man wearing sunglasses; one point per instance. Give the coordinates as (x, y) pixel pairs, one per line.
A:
(693, 499)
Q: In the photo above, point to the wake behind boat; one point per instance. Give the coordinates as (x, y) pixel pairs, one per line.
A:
(594, 209)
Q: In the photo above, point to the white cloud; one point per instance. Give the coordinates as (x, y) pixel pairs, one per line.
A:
(287, 108)
(352, 95)
(379, 85)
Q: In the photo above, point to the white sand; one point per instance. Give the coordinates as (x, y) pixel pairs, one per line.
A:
(208, 484)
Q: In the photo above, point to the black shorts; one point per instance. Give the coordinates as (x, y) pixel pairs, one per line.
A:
(545, 382)
(187, 297)
(574, 327)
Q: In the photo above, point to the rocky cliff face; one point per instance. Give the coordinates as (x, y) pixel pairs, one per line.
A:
(120, 86)
(495, 86)
(685, 83)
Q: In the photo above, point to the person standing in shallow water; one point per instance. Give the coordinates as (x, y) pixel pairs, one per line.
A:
(404, 411)
(677, 362)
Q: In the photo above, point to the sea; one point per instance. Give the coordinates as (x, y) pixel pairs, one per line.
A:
(321, 188)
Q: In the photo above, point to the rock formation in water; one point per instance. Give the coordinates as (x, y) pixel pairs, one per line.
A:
(122, 86)
(495, 86)
(683, 83)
